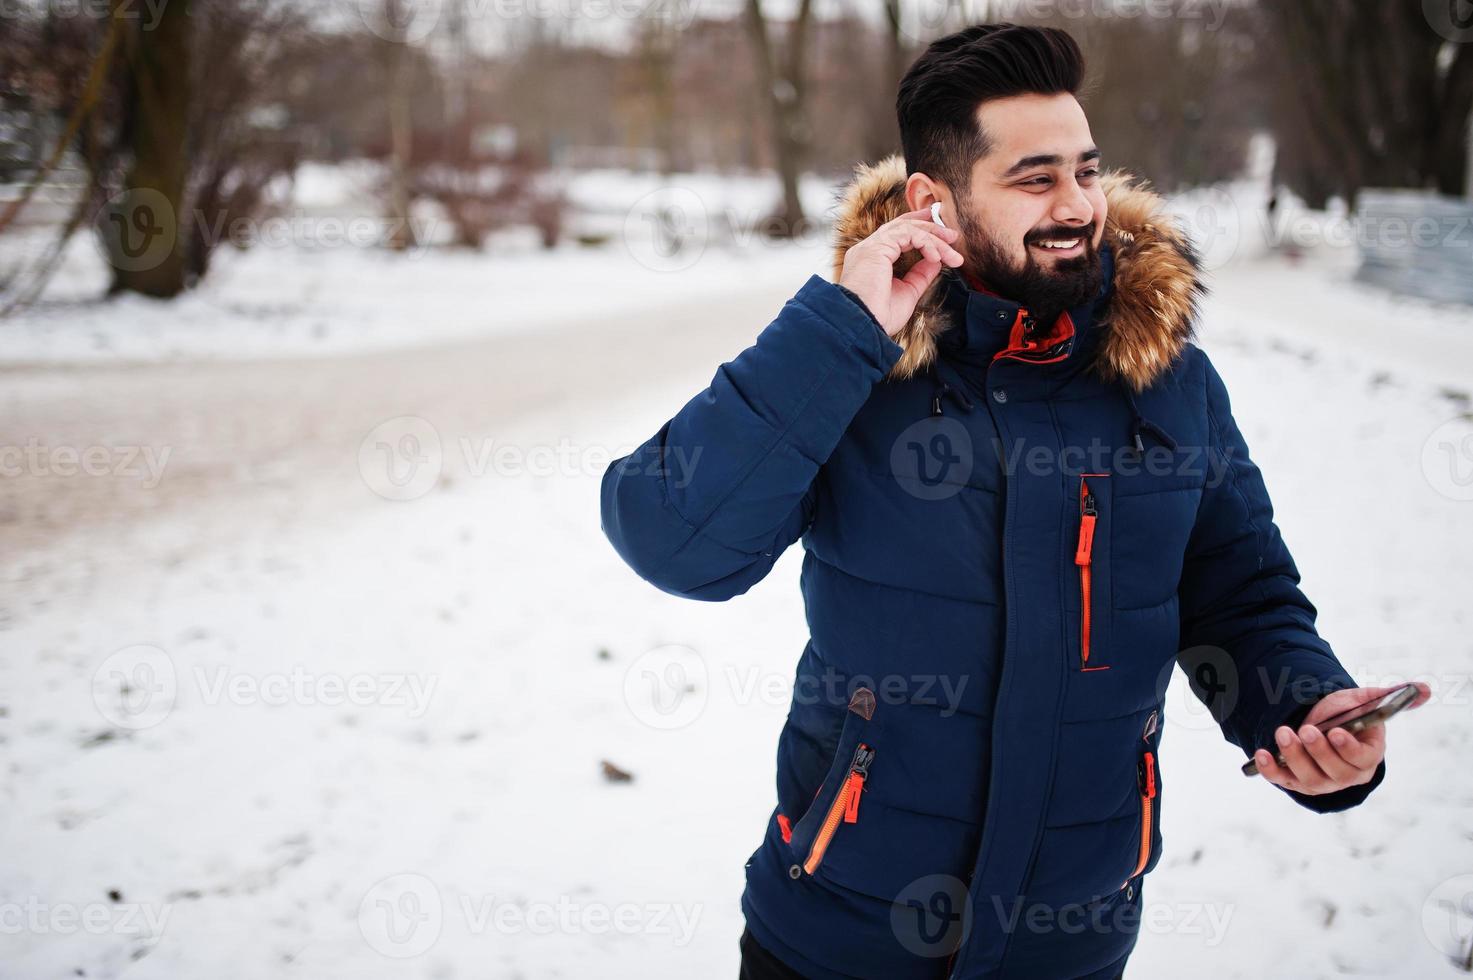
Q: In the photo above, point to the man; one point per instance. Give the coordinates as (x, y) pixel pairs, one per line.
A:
(1023, 498)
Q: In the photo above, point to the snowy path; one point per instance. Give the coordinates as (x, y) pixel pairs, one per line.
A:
(374, 737)
(221, 447)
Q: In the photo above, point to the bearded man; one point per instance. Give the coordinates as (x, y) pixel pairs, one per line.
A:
(1022, 498)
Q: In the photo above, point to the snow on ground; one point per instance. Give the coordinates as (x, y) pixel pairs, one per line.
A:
(362, 737)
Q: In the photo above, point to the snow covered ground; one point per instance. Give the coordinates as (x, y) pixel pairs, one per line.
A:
(330, 698)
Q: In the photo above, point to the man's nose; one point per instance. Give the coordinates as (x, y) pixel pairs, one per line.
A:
(1072, 207)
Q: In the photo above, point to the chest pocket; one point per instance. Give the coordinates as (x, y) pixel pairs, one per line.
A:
(1153, 526)
(1124, 542)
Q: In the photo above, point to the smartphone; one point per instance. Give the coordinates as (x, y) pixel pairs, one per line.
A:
(1360, 717)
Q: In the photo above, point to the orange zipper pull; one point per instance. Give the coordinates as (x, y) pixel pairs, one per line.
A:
(851, 808)
(1087, 516)
(1146, 775)
(858, 773)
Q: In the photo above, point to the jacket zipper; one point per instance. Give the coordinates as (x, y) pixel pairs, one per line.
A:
(1145, 775)
(845, 806)
(1083, 556)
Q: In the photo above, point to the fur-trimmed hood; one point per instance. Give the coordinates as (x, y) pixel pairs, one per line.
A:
(1149, 317)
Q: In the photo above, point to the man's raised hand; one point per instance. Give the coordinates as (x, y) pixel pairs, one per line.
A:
(869, 266)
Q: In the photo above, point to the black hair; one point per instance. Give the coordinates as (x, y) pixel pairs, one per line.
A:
(939, 95)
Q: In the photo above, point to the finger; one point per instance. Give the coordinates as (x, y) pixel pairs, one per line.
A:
(1325, 755)
(1370, 695)
(931, 228)
(924, 217)
(1299, 761)
(1273, 772)
(921, 275)
(917, 236)
(1361, 754)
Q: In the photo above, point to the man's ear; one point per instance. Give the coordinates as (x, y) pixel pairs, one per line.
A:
(921, 191)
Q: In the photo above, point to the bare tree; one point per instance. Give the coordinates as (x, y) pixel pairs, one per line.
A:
(146, 241)
(1368, 95)
(252, 55)
(401, 121)
(784, 82)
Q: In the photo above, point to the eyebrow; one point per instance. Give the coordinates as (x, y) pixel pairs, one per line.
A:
(1047, 160)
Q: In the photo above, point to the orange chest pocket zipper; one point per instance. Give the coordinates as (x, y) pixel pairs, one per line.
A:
(844, 808)
(1084, 559)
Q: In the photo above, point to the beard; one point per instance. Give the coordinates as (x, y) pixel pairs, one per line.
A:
(1045, 292)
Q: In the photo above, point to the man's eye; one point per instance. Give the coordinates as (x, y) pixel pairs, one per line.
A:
(1090, 174)
(1037, 181)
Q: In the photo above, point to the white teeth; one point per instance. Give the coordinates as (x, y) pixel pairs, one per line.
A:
(1069, 244)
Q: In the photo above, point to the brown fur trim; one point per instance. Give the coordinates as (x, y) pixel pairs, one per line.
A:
(1150, 317)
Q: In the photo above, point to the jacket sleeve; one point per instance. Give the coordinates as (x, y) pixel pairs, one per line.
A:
(706, 506)
(1240, 594)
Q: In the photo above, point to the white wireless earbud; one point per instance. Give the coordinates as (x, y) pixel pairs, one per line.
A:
(936, 213)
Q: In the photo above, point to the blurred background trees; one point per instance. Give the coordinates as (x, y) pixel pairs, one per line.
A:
(1381, 100)
(167, 130)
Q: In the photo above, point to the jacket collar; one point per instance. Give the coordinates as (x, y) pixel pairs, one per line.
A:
(1142, 320)
(978, 323)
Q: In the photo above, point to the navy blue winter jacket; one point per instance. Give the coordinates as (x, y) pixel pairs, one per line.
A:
(1012, 534)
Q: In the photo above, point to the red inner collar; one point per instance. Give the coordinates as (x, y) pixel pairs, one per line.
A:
(1027, 348)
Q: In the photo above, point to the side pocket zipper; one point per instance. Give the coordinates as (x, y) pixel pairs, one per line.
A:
(845, 807)
(1145, 776)
(1083, 557)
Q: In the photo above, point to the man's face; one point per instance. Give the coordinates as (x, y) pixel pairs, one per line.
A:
(1034, 216)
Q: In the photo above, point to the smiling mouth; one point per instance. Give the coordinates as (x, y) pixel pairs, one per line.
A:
(1059, 245)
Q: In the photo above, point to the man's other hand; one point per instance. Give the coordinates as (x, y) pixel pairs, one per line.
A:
(1324, 763)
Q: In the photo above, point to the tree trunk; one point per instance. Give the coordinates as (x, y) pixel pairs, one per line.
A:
(401, 127)
(146, 229)
(787, 109)
(1369, 106)
(1448, 147)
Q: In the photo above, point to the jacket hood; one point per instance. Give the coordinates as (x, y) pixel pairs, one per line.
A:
(1148, 318)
